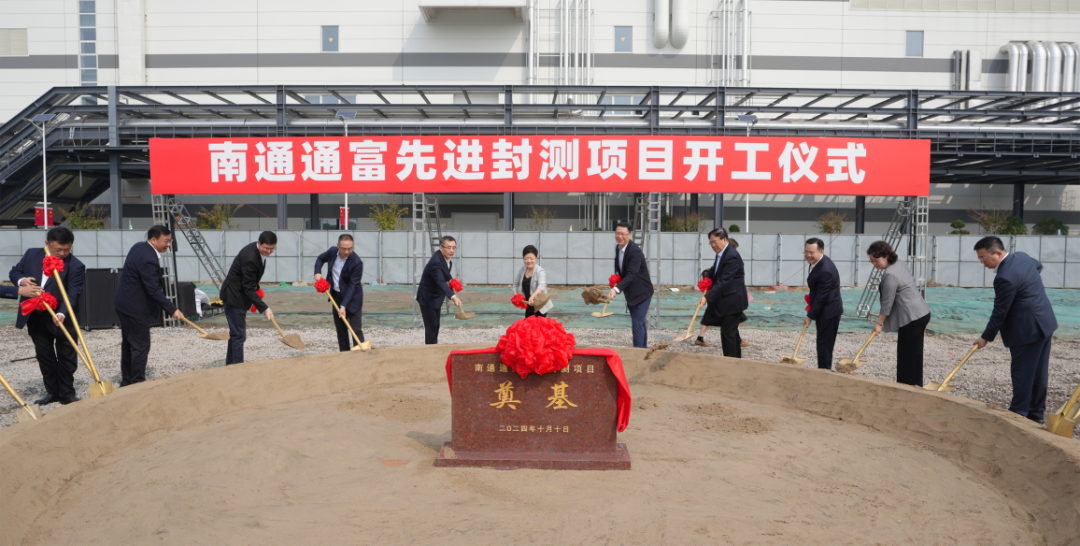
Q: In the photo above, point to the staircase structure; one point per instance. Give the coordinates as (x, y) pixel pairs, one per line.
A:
(647, 218)
(426, 218)
(913, 212)
(172, 212)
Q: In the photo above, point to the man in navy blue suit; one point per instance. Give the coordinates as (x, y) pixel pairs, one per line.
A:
(636, 283)
(727, 298)
(139, 302)
(56, 357)
(434, 288)
(826, 306)
(345, 271)
(240, 291)
(1023, 315)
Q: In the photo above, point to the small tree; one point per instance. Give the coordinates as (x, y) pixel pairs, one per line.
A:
(218, 217)
(733, 228)
(388, 216)
(958, 228)
(1014, 225)
(541, 218)
(831, 223)
(1049, 226)
(990, 219)
(85, 217)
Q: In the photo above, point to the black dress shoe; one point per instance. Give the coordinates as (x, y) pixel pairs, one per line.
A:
(66, 401)
(49, 399)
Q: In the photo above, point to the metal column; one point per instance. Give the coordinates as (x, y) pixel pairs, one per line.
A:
(116, 190)
(508, 211)
(315, 222)
(718, 210)
(283, 211)
(860, 214)
(1018, 201)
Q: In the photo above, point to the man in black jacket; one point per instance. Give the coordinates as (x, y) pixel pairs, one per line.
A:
(636, 282)
(1026, 320)
(240, 289)
(56, 357)
(344, 271)
(434, 288)
(826, 306)
(140, 301)
(727, 298)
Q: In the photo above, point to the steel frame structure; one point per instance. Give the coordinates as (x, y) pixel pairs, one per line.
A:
(102, 133)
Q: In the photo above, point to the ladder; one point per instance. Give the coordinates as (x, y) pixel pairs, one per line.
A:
(427, 218)
(905, 210)
(161, 218)
(919, 248)
(174, 210)
(647, 220)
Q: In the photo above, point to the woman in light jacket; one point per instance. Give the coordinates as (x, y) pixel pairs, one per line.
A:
(903, 310)
(530, 281)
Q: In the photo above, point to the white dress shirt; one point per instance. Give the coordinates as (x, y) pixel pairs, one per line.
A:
(335, 273)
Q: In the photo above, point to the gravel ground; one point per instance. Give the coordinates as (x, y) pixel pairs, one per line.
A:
(985, 377)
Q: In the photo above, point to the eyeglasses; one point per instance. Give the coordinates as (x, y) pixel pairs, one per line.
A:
(449, 247)
(984, 258)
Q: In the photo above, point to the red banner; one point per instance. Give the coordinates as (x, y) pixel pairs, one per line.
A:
(539, 163)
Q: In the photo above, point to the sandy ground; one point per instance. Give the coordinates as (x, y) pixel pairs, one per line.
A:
(985, 377)
(706, 469)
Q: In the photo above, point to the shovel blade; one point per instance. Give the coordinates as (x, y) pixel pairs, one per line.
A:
(682, 338)
(1058, 424)
(598, 314)
(935, 386)
(355, 348)
(294, 341)
(366, 346)
(796, 360)
(30, 413)
(100, 390)
(464, 316)
(848, 365)
(216, 336)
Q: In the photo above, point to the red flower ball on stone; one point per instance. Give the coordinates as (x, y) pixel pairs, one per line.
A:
(614, 280)
(261, 295)
(807, 298)
(455, 285)
(51, 263)
(322, 285)
(519, 301)
(705, 285)
(536, 344)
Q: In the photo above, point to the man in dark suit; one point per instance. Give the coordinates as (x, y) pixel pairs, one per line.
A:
(140, 299)
(56, 357)
(826, 306)
(727, 298)
(240, 290)
(345, 271)
(636, 282)
(1023, 315)
(434, 288)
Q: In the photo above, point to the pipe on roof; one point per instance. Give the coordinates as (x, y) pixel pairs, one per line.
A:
(1012, 79)
(1038, 65)
(1053, 66)
(680, 23)
(661, 23)
(1068, 69)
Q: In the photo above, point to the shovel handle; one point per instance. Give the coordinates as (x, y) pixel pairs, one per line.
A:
(958, 366)
(338, 310)
(799, 343)
(75, 346)
(692, 321)
(1067, 408)
(192, 324)
(14, 394)
(864, 345)
(278, 327)
(78, 331)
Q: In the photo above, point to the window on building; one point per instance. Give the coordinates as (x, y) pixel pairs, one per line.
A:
(88, 20)
(89, 75)
(89, 101)
(914, 45)
(330, 38)
(89, 48)
(86, 6)
(13, 42)
(624, 39)
(88, 34)
(88, 61)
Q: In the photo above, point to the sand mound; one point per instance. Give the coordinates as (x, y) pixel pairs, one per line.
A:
(724, 452)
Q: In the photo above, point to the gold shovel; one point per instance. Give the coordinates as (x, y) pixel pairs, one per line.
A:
(461, 314)
(292, 340)
(100, 388)
(794, 358)
(944, 386)
(1064, 420)
(687, 335)
(217, 336)
(360, 345)
(848, 365)
(26, 412)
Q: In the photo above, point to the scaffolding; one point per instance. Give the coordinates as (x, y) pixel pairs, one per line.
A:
(426, 218)
(172, 212)
(647, 218)
(911, 217)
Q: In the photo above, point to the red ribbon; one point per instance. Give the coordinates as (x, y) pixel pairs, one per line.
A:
(38, 304)
(807, 298)
(51, 263)
(705, 285)
(455, 285)
(261, 295)
(622, 402)
(322, 285)
(519, 301)
(614, 280)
